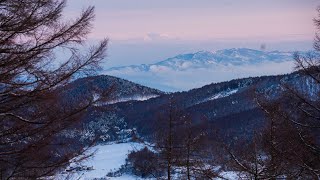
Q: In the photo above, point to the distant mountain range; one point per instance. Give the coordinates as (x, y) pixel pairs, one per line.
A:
(204, 67)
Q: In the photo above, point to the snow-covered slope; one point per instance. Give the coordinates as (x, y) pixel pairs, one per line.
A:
(107, 90)
(205, 67)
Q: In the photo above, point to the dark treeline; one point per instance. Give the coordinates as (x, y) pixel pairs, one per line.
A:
(182, 143)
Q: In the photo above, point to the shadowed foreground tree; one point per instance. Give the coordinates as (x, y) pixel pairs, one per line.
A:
(250, 161)
(180, 148)
(293, 134)
(31, 112)
(291, 138)
(289, 146)
(167, 141)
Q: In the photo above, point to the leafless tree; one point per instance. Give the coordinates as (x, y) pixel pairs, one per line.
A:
(166, 139)
(32, 113)
(292, 135)
(193, 156)
(250, 160)
(181, 146)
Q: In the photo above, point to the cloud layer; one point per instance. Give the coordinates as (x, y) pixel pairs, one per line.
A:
(194, 70)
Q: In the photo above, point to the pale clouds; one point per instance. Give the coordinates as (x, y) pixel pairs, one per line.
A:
(192, 70)
(170, 80)
(201, 20)
(144, 31)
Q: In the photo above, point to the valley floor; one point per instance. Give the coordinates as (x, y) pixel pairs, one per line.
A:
(109, 158)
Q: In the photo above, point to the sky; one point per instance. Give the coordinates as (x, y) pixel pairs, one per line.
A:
(147, 31)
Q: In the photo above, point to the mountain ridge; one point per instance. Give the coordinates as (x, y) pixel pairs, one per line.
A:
(228, 106)
(219, 56)
(204, 67)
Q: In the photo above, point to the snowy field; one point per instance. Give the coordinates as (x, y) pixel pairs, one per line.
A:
(110, 158)
(106, 158)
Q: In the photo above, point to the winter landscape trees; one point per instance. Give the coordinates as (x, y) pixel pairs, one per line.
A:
(288, 147)
(31, 112)
(36, 118)
(178, 148)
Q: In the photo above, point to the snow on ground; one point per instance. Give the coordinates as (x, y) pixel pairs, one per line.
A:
(107, 158)
(110, 158)
(221, 94)
(126, 99)
(133, 98)
(230, 175)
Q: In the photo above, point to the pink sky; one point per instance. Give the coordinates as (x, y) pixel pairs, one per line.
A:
(151, 30)
(201, 20)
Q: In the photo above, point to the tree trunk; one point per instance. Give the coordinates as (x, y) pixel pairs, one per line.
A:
(188, 162)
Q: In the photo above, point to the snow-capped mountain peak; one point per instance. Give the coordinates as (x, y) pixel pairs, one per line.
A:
(207, 59)
(205, 67)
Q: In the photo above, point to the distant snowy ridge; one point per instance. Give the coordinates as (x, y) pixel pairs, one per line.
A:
(187, 71)
(206, 59)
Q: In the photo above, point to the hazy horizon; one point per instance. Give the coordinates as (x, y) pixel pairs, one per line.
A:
(147, 31)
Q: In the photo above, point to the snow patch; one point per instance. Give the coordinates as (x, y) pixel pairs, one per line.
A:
(126, 99)
(228, 175)
(106, 158)
(221, 94)
(134, 98)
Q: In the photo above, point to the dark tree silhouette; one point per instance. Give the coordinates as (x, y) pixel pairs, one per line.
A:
(288, 147)
(167, 141)
(296, 114)
(290, 144)
(180, 145)
(144, 163)
(32, 114)
(291, 138)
